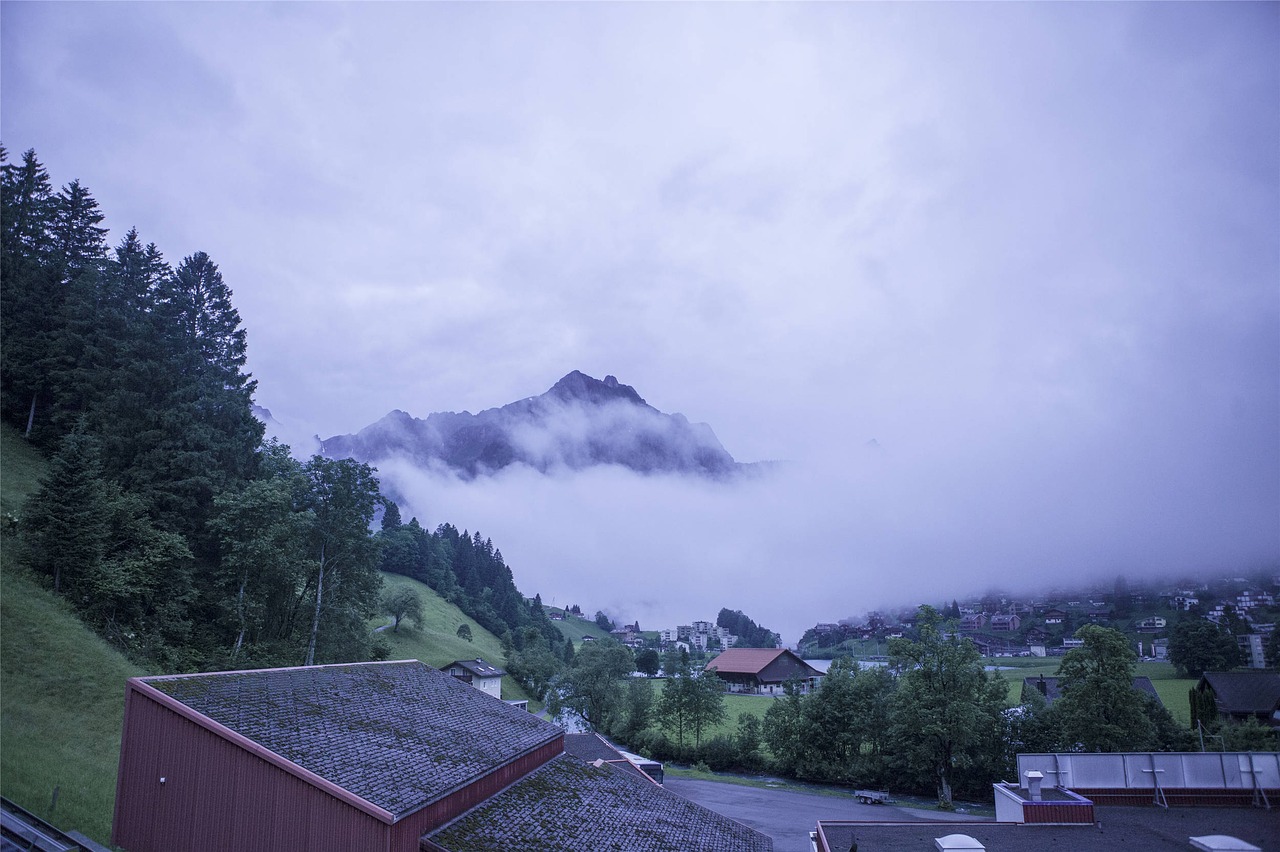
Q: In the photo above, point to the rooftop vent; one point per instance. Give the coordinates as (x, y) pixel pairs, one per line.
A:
(957, 841)
(1034, 779)
(1222, 843)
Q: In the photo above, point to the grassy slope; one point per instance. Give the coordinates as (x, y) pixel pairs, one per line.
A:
(61, 687)
(574, 628)
(436, 643)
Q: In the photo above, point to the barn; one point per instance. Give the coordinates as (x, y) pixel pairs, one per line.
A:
(763, 670)
(393, 756)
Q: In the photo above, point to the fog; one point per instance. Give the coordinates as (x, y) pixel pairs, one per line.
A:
(1032, 251)
(850, 525)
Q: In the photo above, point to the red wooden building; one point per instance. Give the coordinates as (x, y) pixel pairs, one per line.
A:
(393, 757)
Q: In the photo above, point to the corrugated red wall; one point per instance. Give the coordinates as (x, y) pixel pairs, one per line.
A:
(1058, 812)
(217, 795)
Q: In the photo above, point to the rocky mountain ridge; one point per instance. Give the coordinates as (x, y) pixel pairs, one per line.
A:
(580, 422)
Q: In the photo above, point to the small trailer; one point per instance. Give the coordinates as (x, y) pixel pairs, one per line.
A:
(872, 797)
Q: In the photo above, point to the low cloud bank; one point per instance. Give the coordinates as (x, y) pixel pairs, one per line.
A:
(825, 538)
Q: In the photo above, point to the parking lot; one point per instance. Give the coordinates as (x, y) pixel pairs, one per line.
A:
(789, 815)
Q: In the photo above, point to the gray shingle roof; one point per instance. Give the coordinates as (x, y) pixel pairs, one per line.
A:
(477, 667)
(1245, 692)
(569, 806)
(398, 735)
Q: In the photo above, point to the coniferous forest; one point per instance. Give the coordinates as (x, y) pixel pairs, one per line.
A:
(165, 520)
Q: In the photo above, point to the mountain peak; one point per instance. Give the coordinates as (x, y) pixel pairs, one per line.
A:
(579, 386)
(580, 422)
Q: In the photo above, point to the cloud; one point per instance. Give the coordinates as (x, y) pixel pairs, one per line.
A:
(1031, 249)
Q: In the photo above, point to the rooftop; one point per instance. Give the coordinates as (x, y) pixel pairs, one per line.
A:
(398, 735)
(478, 668)
(745, 660)
(567, 806)
(1119, 829)
(1245, 692)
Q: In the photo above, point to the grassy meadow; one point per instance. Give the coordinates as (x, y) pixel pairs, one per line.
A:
(61, 687)
(436, 641)
(576, 629)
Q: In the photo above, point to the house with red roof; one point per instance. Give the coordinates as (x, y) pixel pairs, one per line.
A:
(763, 671)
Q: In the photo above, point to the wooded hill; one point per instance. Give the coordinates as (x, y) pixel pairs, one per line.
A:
(163, 518)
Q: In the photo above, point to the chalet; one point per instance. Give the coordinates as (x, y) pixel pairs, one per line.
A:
(1244, 695)
(1054, 616)
(1002, 623)
(1050, 688)
(478, 673)
(1152, 624)
(763, 671)
(973, 621)
(1036, 636)
(394, 757)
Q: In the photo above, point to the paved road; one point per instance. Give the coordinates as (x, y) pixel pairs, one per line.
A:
(786, 815)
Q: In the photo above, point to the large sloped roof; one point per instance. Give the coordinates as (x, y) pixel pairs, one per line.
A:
(1245, 692)
(745, 660)
(567, 806)
(398, 735)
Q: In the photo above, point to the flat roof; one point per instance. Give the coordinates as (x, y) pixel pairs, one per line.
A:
(1118, 829)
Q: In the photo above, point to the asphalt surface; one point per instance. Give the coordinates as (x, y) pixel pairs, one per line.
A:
(786, 815)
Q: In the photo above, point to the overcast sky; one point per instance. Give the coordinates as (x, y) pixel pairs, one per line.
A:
(1032, 250)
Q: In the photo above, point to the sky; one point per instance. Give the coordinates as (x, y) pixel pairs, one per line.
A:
(999, 282)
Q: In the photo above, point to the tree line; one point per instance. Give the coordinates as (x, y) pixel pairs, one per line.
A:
(933, 719)
(163, 518)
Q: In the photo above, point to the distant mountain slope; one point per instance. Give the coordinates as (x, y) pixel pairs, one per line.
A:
(580, 422)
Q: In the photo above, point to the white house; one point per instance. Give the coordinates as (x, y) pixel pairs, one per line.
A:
(478, 673)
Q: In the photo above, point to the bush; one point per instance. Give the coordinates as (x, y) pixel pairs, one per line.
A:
(720, 754)
(653, 744)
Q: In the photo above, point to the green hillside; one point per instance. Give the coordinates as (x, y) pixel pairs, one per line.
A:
(436, 643)
(61, 687)
(574, 628)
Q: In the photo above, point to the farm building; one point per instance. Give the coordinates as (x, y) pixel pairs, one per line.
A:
(390, 756)
(763, 670)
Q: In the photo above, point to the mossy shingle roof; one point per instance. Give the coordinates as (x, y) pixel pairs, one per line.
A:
(569, 806)
(398, 735)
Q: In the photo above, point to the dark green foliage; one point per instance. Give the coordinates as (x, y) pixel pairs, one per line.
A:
(947, 710)
(647, 661)
(1198, 645)
(163, 520)
(401, 603)
(595, 685)
(750, 634)
(464, 632)
(787, 733)
(1099, 709)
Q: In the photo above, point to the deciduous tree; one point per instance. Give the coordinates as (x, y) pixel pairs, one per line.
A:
(947, 708)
